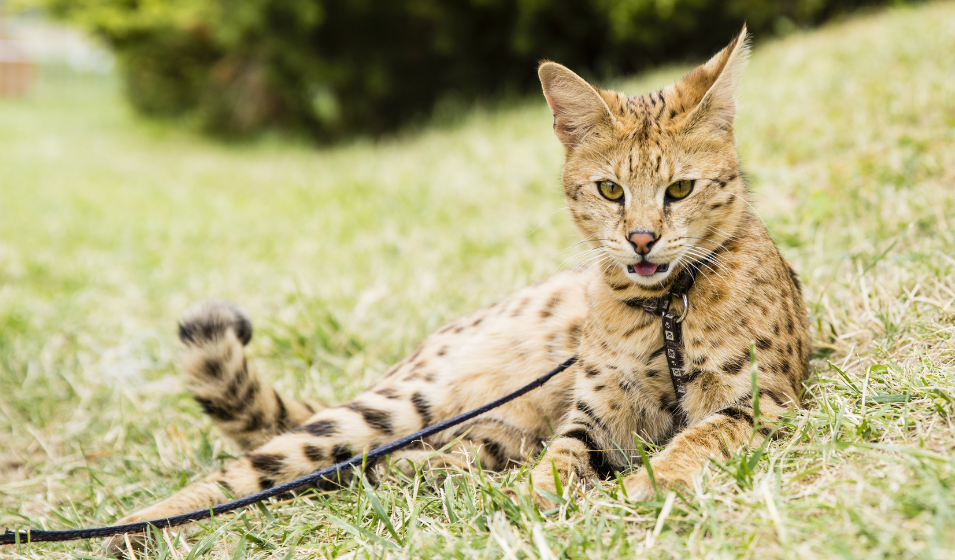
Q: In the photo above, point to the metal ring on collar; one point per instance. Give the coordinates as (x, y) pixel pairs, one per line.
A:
(686, 308)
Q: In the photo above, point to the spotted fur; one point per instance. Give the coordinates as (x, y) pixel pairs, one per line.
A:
(745, 296)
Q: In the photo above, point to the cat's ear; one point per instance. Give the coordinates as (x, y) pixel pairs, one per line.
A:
(579, 111)
(709, 91)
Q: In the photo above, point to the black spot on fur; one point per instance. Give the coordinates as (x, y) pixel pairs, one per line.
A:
(598, 460)
(656, 354)
(420, 365)
(495, 453)
(737, 413)
(341, 452)
(764, 343)
(265, 482)
(215, 409)
(772, 396)
(592, 371)
(213, 367)
(314, 453)
(586, 409)
(281, 417)
(443, 351)
(267, 463)
(321, 428)
(422, 407)
(736, 366)
(226, 487)
(794, 277)
(255, 422)
(377, 419)
(388, 393)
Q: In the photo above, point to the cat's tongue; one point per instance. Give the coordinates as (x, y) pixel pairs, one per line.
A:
(645, 268)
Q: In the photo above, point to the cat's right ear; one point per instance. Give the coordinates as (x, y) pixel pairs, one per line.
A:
(579, 111)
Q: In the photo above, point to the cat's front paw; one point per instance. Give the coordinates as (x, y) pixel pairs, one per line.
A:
(640, 488)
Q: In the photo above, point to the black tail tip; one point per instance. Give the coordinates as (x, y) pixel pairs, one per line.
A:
(211, 320)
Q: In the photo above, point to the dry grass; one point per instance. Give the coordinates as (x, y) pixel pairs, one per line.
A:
(109, 226)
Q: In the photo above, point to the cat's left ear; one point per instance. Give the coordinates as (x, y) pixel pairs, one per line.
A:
(709, 91)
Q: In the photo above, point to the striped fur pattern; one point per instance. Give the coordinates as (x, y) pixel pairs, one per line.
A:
(587, 417)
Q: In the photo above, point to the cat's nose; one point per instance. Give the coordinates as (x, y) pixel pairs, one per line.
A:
(642, 241)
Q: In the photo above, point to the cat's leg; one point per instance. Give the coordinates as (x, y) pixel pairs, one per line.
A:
(602, 417)
(716, 434)
(587, 450)
(246, 410)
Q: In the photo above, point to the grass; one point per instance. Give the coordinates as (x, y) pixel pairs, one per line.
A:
(346, 257)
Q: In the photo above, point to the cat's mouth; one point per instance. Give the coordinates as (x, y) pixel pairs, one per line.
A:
(647, 268)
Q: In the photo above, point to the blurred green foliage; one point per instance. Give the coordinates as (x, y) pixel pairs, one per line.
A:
(334, 67)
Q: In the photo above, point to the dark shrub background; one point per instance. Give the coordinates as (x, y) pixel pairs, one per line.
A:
(338, 67)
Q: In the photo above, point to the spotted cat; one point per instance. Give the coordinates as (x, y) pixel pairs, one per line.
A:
(653, 184)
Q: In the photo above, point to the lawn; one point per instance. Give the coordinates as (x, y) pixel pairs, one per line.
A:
(347, 256)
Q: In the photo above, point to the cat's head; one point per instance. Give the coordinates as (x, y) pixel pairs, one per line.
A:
(652, 181)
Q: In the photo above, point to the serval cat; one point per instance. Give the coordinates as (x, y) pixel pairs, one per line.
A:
(653, 185)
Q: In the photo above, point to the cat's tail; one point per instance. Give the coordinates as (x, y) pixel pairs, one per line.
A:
(246, 410)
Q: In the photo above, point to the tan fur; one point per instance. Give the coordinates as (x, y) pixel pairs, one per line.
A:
(745, 294)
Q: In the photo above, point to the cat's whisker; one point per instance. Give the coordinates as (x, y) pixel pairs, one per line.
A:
(703, 259)
(591, 238)
(600, 262)
(587, 256)
(753, 208)
(729, 236)
(568, 248)
(549, 216)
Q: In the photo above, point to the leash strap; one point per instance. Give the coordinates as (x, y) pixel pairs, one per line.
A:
(33, 535)
(673, 337)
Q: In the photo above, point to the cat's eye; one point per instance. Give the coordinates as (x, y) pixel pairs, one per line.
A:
(610, 190)
(680, 189)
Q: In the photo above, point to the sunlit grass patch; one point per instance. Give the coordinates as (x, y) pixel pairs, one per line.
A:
(346, 257)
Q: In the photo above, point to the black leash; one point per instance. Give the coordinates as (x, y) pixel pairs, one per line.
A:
(34, 535)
